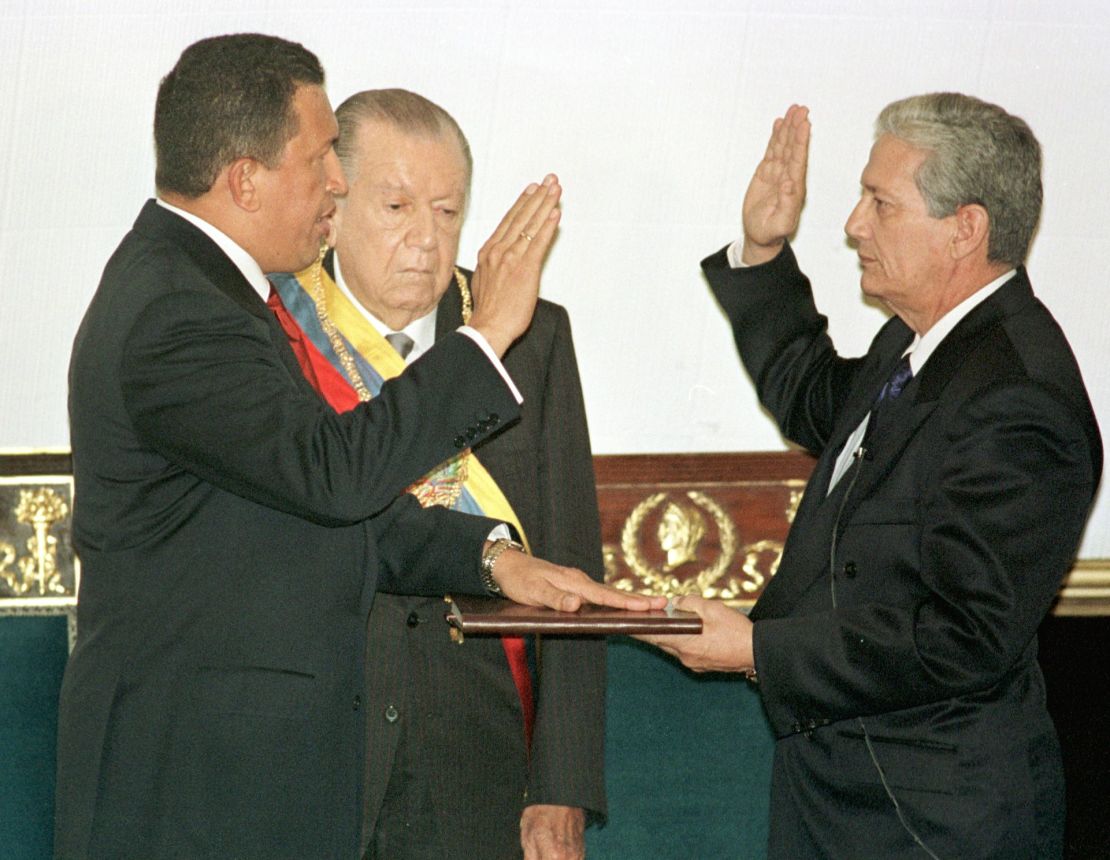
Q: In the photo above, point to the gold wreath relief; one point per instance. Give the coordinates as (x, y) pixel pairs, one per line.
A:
(661, 581)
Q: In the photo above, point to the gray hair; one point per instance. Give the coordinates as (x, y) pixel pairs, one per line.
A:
(405, 111)
(978, 153)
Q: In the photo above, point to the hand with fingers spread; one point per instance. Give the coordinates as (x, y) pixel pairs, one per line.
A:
(773, 202)
(724, 644)
(506, 281)
(535, 582)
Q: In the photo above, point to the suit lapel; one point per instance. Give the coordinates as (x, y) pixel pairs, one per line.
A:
(953, 351)
(905, 416)
(902, 420)
(888, 348)
(805, 555)
(161, 224)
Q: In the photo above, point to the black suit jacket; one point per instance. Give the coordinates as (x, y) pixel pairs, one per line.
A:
(944, 546)
(458, 743)
(232, 531)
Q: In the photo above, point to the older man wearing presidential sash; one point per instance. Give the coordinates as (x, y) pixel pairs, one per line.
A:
(494, 748)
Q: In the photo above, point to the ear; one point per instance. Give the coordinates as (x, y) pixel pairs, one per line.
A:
(973, 228)
(241, 185)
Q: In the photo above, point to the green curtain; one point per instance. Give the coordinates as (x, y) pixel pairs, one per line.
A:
(32, 658)
(688, 756)
(688, 763)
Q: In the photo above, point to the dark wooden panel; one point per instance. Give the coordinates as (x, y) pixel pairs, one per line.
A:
(708, 524)
(36, 463)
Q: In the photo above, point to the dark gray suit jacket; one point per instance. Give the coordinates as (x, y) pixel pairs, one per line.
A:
(455, 720)
(946, 545)
(232, 531)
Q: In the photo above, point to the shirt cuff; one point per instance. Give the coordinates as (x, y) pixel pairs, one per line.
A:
(733, 253)
(477, 337)
(500, 531)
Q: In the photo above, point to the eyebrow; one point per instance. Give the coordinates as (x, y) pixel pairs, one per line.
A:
(873, 189)
(405, 189)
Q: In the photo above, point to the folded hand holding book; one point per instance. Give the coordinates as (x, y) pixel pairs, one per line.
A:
(494, 615)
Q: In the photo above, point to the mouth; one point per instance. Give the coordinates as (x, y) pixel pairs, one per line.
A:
(324, 225)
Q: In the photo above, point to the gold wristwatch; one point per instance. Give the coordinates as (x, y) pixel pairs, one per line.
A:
(489, 559)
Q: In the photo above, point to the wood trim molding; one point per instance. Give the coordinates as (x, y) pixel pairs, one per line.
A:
(711, 524)
(1086, 591)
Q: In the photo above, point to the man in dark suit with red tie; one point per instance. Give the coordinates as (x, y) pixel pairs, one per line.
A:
(232, 528)
(895, 649)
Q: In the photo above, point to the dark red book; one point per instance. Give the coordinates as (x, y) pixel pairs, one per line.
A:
(494, 616)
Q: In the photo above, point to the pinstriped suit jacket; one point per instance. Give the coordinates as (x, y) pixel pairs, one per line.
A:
(457, 705)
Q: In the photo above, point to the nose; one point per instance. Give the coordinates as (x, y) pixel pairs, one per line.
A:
(856, 225)
(422, 229)
(335, 181)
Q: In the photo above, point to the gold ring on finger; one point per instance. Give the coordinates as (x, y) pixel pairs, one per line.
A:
(527, 236)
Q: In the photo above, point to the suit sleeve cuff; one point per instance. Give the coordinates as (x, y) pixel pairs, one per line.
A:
(477, 337)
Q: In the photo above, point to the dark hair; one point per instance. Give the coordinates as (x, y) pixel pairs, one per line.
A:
(978, 153)
(227, 97)
(405, 111)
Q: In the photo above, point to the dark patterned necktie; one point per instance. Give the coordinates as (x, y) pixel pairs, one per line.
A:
(891, 391)
(901, 377)
(400, 342)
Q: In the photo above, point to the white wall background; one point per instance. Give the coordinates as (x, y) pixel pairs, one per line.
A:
(653, 113)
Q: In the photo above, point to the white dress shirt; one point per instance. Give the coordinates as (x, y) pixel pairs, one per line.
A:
(243, 261)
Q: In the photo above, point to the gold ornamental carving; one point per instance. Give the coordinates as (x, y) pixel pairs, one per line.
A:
(686, 542)
(796, 494)
(39, 573)
(35, 574)
(680, 531)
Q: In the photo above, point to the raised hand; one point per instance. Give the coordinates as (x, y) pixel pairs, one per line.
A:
(506, 281)
(773, 202)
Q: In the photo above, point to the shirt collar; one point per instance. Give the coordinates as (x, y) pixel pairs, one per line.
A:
(422, 331)
(243, 261)
(923, 346)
